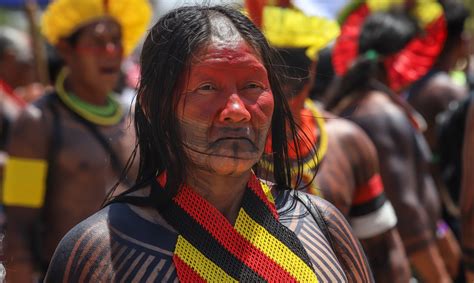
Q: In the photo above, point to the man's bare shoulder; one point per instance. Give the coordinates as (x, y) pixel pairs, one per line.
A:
(29, 134)
(115, 242)
(378, 115)
(344, 130)
(88, 236)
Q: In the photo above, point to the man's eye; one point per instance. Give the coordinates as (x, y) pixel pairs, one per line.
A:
(253, 86)
(207, 87)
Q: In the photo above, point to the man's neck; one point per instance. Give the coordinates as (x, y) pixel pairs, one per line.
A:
(225, 193)
(84, 92)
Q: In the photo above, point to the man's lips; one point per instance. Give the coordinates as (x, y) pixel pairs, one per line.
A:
(109, 70)
(241, 139)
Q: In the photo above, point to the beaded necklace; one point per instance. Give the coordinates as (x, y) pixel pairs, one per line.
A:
(107, 115)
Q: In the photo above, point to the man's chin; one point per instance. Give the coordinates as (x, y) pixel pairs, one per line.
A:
(108, 81)
(231, 166)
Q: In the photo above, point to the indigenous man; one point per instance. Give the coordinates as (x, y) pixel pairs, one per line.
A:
(436, 93)
(467, 197)
(70, 147)
(364, 95)
(348, 172)
(432, 94)
(208, 96)
(15, 71)
(348, 177)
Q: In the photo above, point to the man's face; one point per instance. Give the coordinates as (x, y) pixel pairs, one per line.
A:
(226, 109)
(97, 55)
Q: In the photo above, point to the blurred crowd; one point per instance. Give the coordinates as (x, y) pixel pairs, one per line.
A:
(382, 89)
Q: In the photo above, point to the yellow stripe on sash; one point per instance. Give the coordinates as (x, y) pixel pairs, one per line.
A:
(25, 182)
(273, 248)
(267, 190)
(207, 269)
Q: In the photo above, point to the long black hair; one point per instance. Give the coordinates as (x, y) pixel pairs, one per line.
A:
(165, 59)
(383, 34)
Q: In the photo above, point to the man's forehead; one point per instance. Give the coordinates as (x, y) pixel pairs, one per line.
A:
(103, 26)
(223, 31)
(236, 53)
(226, 44)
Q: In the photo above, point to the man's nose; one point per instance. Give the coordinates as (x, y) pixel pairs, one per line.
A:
(234, 111)
(112, 48)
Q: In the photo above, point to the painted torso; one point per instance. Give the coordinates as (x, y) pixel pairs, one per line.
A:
(128, 247)
(388, 123)
(81, 174)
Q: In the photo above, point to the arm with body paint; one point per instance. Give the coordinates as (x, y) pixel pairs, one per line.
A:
(71, 264)
(118, 243)
(390, 132)
(23, 192)
(346, 246)
(467, 197)
(372, 216)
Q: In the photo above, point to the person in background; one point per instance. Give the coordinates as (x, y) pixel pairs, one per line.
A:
(15, 71)
(347, 171)
(365, 95)
(69, 148)
(440, 100)
(340, 153)
(467, 197)
(432, 94)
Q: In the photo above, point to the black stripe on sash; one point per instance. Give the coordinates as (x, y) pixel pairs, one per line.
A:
(260, 213)
(202, 240)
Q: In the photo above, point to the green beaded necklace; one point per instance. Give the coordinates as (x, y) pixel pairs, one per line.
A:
(107, 115)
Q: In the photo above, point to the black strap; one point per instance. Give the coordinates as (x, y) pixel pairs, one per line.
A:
(56, 140)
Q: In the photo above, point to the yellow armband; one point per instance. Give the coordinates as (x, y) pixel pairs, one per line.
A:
(25, 182)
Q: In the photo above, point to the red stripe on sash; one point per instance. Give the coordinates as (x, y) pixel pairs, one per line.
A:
(186, 273)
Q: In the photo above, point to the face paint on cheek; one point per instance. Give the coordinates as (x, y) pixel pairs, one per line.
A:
(227, 112)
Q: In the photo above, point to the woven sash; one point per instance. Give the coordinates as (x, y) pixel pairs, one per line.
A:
(257, 248)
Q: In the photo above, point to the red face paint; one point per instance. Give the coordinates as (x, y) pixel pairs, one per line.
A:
(97, 54)
(226, 109)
